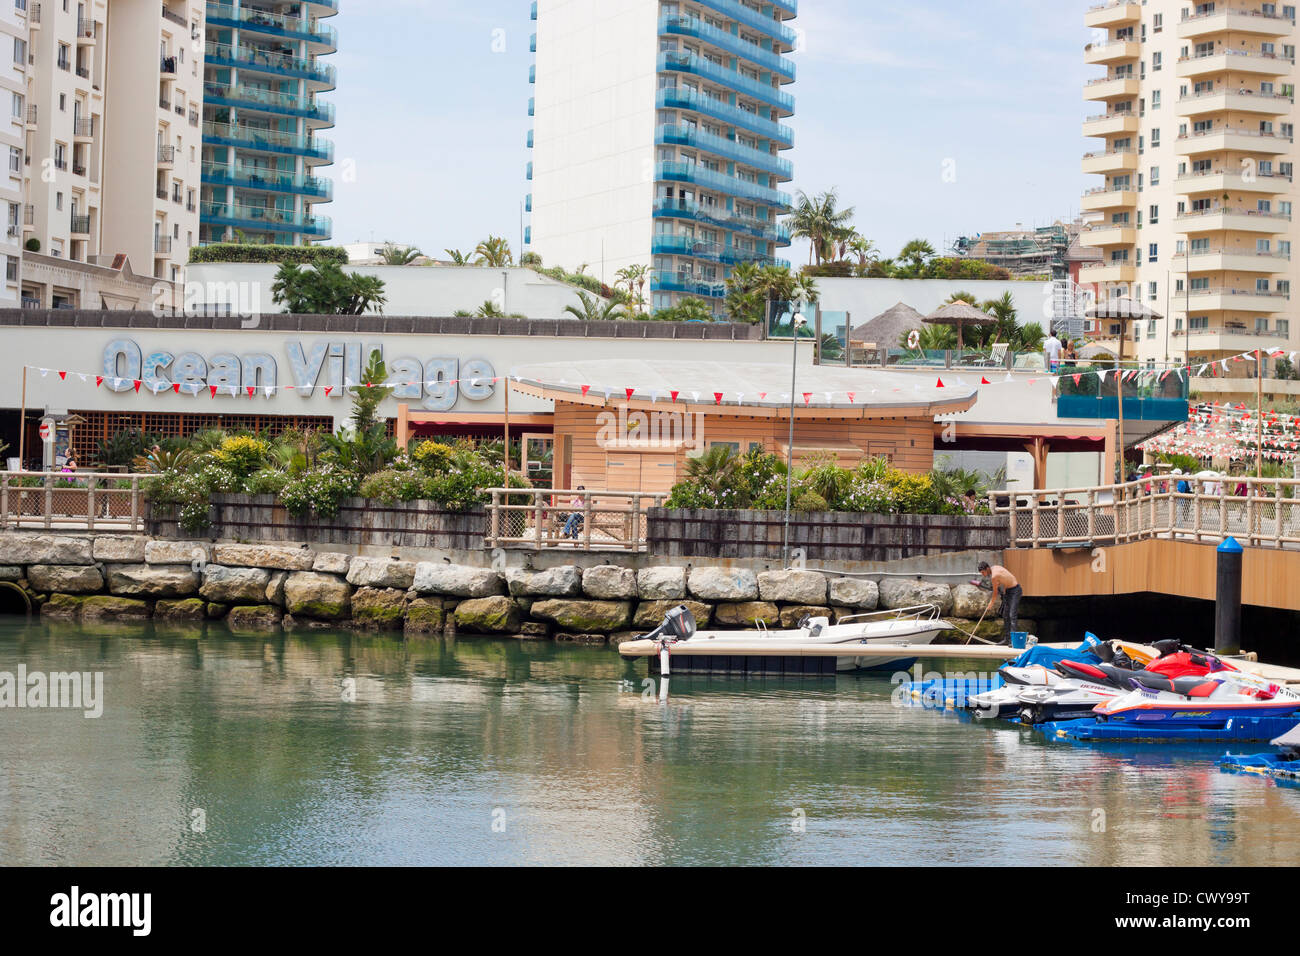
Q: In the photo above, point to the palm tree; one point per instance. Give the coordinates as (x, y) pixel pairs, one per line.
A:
(1003, 311)
(963, 297)
(633, 277)
(1029, 337)
(457, 257)
(690, 310)
(933, 338)
(493, 252)
(916, 254)
(864, 249)
(715, 470)
(399, 255)
(596, 309)
(821, 223)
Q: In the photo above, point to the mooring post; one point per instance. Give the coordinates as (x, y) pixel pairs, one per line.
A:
(1227, 598)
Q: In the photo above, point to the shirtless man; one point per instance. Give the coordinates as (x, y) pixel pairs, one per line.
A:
(1000, 577)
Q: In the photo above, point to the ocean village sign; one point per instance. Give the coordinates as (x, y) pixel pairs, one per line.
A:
(435, 383)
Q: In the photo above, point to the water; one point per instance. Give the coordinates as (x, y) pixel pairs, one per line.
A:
(498, 752)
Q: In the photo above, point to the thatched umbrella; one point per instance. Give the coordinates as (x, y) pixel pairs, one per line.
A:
(1123, 310)
(888, 327)
(960, 314)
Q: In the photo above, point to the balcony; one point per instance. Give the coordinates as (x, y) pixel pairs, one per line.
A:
(1111, 51)
(166, 156)
(731, 79)
(722, 146)
(267, 101)
(1238, 61)
(80, 225)
(242, 216)
(1218, 181)
(1106, 197)
(78, 169)
(1111, 88)
(265, 61)
(663, 281)
(85, 30)
(1100, 236)
(273, 24)
(1237, 21)
(164, 103)
(83, 129)
(686, 246)
(167, 67)
(751, 17)
(161, 193)
(1231, 260)
(175, 18)
(162, 245)
(767, 229)
(1221, 299)
(1108, 273)
(1222, 138)
(1110, 124)
(1243, 101)
(681, 99)
(1226, 339)
(1110, 161)
(730, 42)
(1113, 14)
(730, 185)
(267, 180)
(267, 141)
(34, 15)
(31, 117)
(29, 217)
(1228, 219)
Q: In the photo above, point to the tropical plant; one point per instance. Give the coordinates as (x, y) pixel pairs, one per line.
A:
(1028, 337)
(121, 448)
(531, 259)
(325, 289)
(493, 252)
(914, 256)
(457, 257)
(634, 277)
(594, 309)
(686, 310)
(821, 222)
(398, 255)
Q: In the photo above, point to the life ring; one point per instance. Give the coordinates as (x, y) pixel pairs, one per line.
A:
(913, 339)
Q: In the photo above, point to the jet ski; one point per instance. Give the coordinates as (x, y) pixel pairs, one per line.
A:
(1199, 700)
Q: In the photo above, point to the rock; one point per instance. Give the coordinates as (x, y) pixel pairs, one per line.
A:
(152, 580)
(969, 602)
(565, 581)
(622, 637)
(650, 614)
(746, 614)
(254, 617)
(723, 584)
(791, 613)
(381, 573)
(457, 580)
(609, 582)
(19, 547)
(320, 596)
(119, 548)
(661, 584)
(990, 629)
(275, 588)
(534, 631)
(424, 615)
(379, 608)
(907, 592)
(854, 593)
(580, 616)
(69, 579)
(105, 608)
(489, 615)
(187, 609)
(10, 573)
(215, 612)
(62, 607)
(567, 638)
(794, 587)
(331, 562)
(263, 556)
(291, 623)
(234, 585)
(177, 552)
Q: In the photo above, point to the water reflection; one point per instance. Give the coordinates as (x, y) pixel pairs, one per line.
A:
(330, 747)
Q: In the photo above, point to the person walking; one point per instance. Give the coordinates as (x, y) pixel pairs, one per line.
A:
(1052, 353)
(1000, 578)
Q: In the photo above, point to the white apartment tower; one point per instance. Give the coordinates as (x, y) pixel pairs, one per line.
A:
(1195, 147)
(13, 133)
(657, 138)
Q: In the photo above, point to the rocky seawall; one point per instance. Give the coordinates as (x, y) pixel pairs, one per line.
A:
(260, 588)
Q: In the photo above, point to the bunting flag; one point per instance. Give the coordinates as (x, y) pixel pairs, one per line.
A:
(984, 381)
(852, 397)
(213, 390)
(63, 376)
(585, 390)
(674, 395)
(630, 392)
(330, 388)
(807, 397)
(176, 387)
(939, 384)
(137, 384)
(717, 398)
(99, 380)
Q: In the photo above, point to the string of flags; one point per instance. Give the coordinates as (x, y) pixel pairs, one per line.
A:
(1231, 431)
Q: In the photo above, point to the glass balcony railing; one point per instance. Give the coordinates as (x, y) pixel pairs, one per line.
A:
(692, 173)
(267, 140)
(532, 10)
(530, 106)
(1152, 395)
(750, 17)
(721, 146)
(767, 229)
(270, 180)
(710, 251)
(265, 61)
(695, 27)
(272, 24)
(664, 281)
(243, 216)
(286, 104)
(731, 79)
(682, 99)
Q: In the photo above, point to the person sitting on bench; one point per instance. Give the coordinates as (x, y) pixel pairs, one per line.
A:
(574, 524)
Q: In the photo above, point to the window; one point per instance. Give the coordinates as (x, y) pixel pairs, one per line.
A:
(1261, 247)
(15, 159)
(1153, 253)
(1198, 322)
(1155, 175)
(1155, 138)
(20, 52)
(1157, 23)
(1155, 99)
(1261, 286)
(1152, 290)
(1153, 215)
(11, 268)
(1155, 62)
(1284, 287)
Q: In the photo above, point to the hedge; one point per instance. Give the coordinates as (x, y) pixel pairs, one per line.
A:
(250, 252)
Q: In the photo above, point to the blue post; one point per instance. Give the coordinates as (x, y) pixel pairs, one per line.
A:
(1227, 598)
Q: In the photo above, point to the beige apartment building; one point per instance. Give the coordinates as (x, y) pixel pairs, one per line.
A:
(1194, 215)
(113, 106)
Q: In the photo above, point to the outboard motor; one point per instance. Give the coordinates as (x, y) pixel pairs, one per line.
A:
(678, 625)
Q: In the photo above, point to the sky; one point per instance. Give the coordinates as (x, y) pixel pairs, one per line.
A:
(931, 118)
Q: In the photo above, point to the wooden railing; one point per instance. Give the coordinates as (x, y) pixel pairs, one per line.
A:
(1259, 512)
(73, 501)
(541, 518)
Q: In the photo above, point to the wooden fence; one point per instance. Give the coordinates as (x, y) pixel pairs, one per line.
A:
(822, 536)
(72, 501)
(547, 518)
(360, 521)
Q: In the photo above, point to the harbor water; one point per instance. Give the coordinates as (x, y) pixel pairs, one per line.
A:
(326, 747)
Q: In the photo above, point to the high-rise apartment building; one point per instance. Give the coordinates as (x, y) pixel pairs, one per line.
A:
(261, 116)
(1196, 147)
(657, 138)
(14, 51)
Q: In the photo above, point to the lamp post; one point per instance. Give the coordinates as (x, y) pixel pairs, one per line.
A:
(797, 322)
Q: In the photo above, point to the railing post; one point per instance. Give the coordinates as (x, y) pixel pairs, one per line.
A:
(1196, 511)
(90, 502)
(1033, 518)
(587, 503)
(637, 539)
(1092, 515)
(135, 504)
(49, 500)
(1223, 507)
(1060, 518)
(494, 523)
(4, 500)
(537, 519)
(1250, 514)
(1277, 514)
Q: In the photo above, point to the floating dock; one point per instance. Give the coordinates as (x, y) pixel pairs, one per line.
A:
(770, 656)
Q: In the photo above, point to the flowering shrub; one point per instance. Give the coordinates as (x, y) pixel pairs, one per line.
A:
(432, 457)
(242, 455)
(319, 492)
